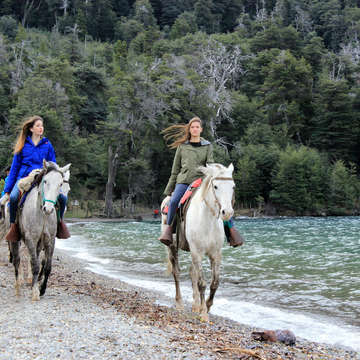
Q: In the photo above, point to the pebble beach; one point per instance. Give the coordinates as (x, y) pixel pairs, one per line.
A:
(88, 316)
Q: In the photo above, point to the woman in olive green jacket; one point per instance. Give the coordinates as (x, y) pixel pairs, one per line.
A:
(192, 151)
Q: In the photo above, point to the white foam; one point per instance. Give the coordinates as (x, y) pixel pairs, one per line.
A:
(84, 255)
(306, 326)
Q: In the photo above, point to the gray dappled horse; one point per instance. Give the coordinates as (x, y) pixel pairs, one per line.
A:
(38, 225)
(204, 232)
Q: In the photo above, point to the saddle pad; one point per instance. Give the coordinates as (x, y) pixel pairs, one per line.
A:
(195, 184)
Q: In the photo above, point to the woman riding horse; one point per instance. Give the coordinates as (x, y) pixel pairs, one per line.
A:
(30, 150)
(192, 151)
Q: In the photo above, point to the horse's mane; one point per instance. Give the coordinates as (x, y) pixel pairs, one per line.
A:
(52, 166)
(210, 171)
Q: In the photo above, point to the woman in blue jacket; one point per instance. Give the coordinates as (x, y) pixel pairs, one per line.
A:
(30, 150)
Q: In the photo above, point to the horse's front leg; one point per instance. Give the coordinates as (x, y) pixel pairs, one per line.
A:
(215, 274)
(175, 270)
(49, 251)
(199, 286)
(15, 259)
(35, 268)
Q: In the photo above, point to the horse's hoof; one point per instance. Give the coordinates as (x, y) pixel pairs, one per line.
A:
(204, 317)
(195, 308)
(35, 294)
(17, 289)
(179, 306)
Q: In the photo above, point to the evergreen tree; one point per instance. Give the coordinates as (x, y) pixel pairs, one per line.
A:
(205, 19)
(127, 30)
(300, 181)
(335, 127)
(328, 21)
(343, 198)
(8, 26)
(144, 14)
(171, 9)
(253, 173)
(287, 93)
(184, 24)
(90, 85)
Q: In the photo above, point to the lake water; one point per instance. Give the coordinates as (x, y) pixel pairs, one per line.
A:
(301, 274)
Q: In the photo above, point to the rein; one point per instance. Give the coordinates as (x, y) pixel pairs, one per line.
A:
(217, 202)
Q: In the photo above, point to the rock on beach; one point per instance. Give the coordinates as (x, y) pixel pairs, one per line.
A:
(88, 316)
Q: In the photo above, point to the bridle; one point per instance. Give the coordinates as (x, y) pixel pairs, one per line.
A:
(217, 202)
(43, 198)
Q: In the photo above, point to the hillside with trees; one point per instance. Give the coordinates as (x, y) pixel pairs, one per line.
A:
(276, 83)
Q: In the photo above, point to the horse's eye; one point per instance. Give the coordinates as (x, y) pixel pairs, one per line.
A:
(215, 187)
(44, 181)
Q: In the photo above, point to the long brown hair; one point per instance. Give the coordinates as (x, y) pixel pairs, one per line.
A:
(25, 131)
(179, 133)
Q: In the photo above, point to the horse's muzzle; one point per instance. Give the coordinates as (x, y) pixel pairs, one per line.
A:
(226, 214)
(48, 208)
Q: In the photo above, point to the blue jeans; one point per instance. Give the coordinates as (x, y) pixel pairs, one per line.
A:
(174, 201)
(62, 199)
(14, 200)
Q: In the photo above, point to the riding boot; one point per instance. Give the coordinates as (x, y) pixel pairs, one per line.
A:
(62, 230)
(235, 238)
(166, 236)
(13, 234)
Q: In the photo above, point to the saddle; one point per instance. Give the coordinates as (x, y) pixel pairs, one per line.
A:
(28, 183)
(179, 222)
(25, 185)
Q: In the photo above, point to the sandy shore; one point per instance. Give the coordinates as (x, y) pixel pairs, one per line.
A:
(88, 316)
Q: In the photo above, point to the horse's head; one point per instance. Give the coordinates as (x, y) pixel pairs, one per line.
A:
(218, 189)
(51, 184)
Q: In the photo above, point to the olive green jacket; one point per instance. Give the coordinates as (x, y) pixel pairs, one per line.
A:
(186, 162)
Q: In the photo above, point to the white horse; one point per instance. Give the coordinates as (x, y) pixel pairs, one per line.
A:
(204, 231)
(38, 225)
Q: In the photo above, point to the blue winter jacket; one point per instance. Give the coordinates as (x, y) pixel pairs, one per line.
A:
(29, 158)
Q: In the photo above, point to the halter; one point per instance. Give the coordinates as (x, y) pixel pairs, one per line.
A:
(216, 199)
(44, 200)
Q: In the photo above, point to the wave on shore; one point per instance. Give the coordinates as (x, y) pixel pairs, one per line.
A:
(256, 315)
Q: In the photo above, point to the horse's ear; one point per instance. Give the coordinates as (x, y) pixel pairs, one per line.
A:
(231, 167)
(45, 164)
(203, 169)
(65, 168)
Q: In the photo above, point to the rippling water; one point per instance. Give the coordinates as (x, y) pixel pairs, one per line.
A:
(297, 273)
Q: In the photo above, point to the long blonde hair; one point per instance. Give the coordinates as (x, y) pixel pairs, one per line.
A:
(179, 133)
(25, 131)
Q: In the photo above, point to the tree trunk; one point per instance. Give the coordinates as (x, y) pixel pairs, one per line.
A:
(29, 7)
(112, 167)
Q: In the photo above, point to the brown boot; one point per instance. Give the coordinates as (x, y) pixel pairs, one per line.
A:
(235, 238)
(13, 234)
(62, 230)
(166, 236)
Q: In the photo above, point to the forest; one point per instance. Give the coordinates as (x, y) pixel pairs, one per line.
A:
(276, 83)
